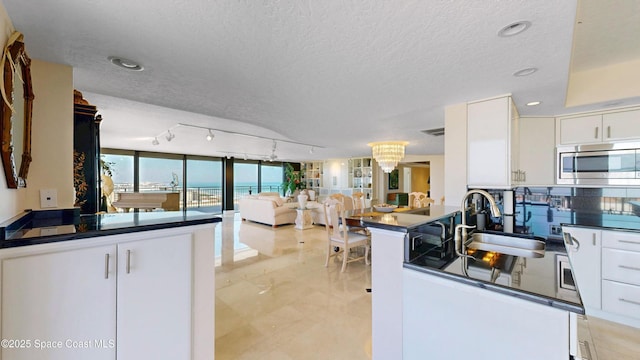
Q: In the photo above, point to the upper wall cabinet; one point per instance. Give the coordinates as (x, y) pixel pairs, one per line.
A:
(492, 144)
(612, 126)
(537, 151)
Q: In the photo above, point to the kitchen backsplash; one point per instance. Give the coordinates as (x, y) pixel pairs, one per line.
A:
(540, 211)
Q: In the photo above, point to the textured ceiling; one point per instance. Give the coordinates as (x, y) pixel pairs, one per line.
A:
(335, 73)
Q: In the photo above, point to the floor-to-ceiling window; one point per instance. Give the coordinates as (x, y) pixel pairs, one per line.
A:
(119, 169)
(160, 172)
(199, 179)
(271, 175)
(204, 183)
(245, 179)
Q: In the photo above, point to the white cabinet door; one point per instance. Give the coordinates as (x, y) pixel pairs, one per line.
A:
(66, 298)
(585, 260)
(154, 298)
(489, 143)
(387, 256)
(621, 125)
(444, 319)
(537, 151)
(580, 130)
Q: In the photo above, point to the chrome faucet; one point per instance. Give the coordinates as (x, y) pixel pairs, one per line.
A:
(460, 237)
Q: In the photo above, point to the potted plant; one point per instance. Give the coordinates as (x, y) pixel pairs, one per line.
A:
(291, 180)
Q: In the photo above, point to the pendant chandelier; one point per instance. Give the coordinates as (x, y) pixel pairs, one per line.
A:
(388, 153)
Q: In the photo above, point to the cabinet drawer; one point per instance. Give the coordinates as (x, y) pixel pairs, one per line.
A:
(621, 299)
(621, 265)
(621, 240)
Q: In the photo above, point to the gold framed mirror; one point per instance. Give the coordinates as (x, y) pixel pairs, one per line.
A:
(15, 112)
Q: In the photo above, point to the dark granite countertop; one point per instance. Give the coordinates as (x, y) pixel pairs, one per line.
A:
(532, 279)
(407, 220)
(609, 224)
(45, 226)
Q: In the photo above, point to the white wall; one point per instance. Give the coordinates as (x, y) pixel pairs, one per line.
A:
(437, 174)
(52, 135)
(608, 83)
(455, 153)
(338, 168)
(52, 139)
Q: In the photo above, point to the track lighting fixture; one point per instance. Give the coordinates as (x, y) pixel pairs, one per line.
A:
(170, 136)
(210, 135)
(273, 155)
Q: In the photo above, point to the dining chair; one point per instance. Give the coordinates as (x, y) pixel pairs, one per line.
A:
(358, 200)
(419, 200)
(340, 237)
(346, 200)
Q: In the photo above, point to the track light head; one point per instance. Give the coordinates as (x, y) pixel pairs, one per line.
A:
(170, 136)
(155, 141)
(210, 135)
(311, 150)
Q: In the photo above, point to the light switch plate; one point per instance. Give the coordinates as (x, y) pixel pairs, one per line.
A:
(48, 198)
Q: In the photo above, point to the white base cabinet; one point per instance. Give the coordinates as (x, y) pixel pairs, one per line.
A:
(586, 264)
(154, 298)
(51, 299)
(387, 257)
(606, 270)
(445, 319)
(145, 295)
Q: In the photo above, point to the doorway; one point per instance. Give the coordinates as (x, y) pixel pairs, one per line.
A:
(406, 179)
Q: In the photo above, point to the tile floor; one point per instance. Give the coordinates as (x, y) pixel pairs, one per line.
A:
(276, 300)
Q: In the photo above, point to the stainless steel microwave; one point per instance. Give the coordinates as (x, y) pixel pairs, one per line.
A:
(599, 164)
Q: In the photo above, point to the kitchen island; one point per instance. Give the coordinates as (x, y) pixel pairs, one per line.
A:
(388, 235)
(126, 286)
(425, 306)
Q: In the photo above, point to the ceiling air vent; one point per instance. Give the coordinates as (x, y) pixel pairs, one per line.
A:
(434, 132)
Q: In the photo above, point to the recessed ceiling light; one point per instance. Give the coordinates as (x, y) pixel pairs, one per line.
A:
(525, 72)
(534, 103)
(514, 28)
(125, 63)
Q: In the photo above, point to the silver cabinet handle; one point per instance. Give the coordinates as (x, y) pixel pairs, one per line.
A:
(593, 239)
(609, 131)
(629, 301)
(576, 244)
(106, 266)
(629, 267)
(128, 261)
(597, 128)
(629, 242)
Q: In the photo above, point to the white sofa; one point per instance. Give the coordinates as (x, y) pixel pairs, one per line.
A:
(267, 208)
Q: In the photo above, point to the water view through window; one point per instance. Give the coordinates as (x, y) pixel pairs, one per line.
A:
(198, 179)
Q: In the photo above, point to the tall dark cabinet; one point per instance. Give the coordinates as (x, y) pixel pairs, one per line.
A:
(86, 155)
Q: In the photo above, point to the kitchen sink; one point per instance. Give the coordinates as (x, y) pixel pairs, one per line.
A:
(510, 244)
